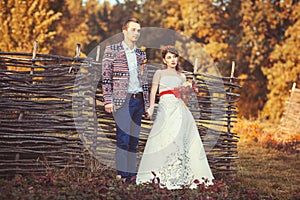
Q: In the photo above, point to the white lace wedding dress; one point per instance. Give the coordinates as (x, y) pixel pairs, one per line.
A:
(174, 150)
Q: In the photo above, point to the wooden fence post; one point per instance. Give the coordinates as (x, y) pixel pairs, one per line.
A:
(98, 53)
(35, 44)
(77, 50)
(229, 106)
(230, 90)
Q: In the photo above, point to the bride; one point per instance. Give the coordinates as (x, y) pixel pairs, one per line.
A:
(174, 154)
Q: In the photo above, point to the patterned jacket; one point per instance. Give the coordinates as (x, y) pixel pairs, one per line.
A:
(115, 75)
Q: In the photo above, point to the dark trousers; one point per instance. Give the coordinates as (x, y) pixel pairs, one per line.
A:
(128, 123)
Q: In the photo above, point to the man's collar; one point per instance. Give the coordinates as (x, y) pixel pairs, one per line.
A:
(127, 48)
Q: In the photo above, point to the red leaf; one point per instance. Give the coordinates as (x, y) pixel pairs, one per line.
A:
(196, 181)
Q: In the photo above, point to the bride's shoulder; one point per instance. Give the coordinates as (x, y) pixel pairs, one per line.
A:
(158, 72)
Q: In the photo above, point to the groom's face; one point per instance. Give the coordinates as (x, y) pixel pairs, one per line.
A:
(133, 31)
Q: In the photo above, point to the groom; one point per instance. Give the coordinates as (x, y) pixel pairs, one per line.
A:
(126, 95)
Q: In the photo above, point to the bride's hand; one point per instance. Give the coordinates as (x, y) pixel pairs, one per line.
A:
(150, 111)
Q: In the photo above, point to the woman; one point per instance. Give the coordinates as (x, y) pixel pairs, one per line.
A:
(174, 155)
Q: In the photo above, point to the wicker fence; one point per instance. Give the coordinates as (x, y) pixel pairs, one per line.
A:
(51, 114)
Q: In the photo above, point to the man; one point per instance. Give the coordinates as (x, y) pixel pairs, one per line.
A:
(126, 95)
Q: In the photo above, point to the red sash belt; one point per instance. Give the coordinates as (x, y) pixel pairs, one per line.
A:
(175, 92)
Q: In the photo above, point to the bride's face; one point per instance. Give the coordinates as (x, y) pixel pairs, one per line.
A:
(170, 60)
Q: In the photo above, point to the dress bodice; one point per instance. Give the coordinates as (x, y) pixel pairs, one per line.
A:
(169, 82)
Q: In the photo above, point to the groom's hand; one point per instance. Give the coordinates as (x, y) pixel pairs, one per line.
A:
(147, 116)
(109, 108)
(149, 112)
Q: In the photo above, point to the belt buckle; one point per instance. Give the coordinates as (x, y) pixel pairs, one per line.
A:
(133, 95)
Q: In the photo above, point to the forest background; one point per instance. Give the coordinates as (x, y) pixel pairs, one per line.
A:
(261, 37)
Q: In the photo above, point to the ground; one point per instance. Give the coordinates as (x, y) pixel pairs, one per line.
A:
(270, 172)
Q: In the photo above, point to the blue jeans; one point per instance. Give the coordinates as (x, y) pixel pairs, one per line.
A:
(128, 123)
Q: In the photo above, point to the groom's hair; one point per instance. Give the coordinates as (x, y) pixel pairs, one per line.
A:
(126, 22)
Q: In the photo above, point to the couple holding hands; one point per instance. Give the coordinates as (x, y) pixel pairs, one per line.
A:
(174, 153)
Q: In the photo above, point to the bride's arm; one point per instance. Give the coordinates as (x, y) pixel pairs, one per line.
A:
(154, 88)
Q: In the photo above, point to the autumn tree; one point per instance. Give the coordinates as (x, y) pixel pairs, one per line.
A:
(120, 12)
(242, 31)
(261, 32)
(98, 19)
(285, 69)
(199, 24)
(71, 28)
(23, 22)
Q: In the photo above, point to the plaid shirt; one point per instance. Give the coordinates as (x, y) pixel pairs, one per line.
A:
(115, 75)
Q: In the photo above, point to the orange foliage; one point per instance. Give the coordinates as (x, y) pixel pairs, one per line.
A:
(248, 131)
(254, 131)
